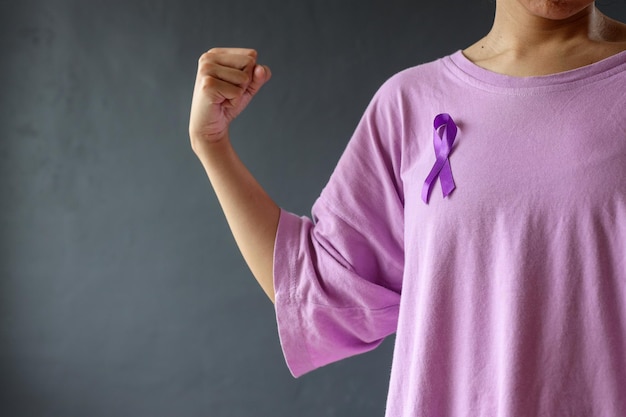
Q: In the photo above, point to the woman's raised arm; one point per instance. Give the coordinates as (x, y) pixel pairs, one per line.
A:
(227, 80)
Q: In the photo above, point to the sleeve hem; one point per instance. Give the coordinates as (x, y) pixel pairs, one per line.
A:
(288, 318)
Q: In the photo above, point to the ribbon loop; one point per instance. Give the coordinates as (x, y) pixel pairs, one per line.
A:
(443, 140)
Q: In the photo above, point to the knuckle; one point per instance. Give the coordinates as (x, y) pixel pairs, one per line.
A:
(207, 83)
(207, 67)
(207, 56)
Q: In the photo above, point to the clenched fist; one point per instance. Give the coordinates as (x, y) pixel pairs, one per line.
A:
(227, 80)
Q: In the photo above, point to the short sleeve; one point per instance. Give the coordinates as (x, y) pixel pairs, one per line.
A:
(338, 275)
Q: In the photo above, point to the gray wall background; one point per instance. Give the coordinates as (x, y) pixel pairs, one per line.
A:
(122, 292)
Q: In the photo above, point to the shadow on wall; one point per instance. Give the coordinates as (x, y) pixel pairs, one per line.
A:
(19, 223)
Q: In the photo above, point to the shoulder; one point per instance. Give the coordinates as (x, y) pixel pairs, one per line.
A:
(414, 82)
(422, 74)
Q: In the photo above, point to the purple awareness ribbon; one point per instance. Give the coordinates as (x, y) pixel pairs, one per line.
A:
(443, 139)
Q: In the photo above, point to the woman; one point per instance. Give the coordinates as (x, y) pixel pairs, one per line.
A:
(479, 212)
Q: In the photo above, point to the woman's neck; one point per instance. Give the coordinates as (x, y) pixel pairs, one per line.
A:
(521, 43)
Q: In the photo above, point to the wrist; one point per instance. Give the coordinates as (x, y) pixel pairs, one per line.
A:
(214, 154)
(202, 146)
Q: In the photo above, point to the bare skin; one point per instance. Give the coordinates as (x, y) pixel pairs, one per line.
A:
(541, 37)
(528, 38)
(226, 81)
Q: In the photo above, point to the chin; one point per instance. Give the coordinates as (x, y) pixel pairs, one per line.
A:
(557, 9)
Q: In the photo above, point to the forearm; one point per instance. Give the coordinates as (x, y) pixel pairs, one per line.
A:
(251, 214)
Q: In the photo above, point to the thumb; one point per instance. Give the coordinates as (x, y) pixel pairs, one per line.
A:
(260, 75)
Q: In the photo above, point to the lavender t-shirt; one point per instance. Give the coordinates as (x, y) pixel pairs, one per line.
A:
(507, 297)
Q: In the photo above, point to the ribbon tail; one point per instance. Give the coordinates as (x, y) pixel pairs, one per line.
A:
(426, 189)
(447, 181)
(432, 177)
